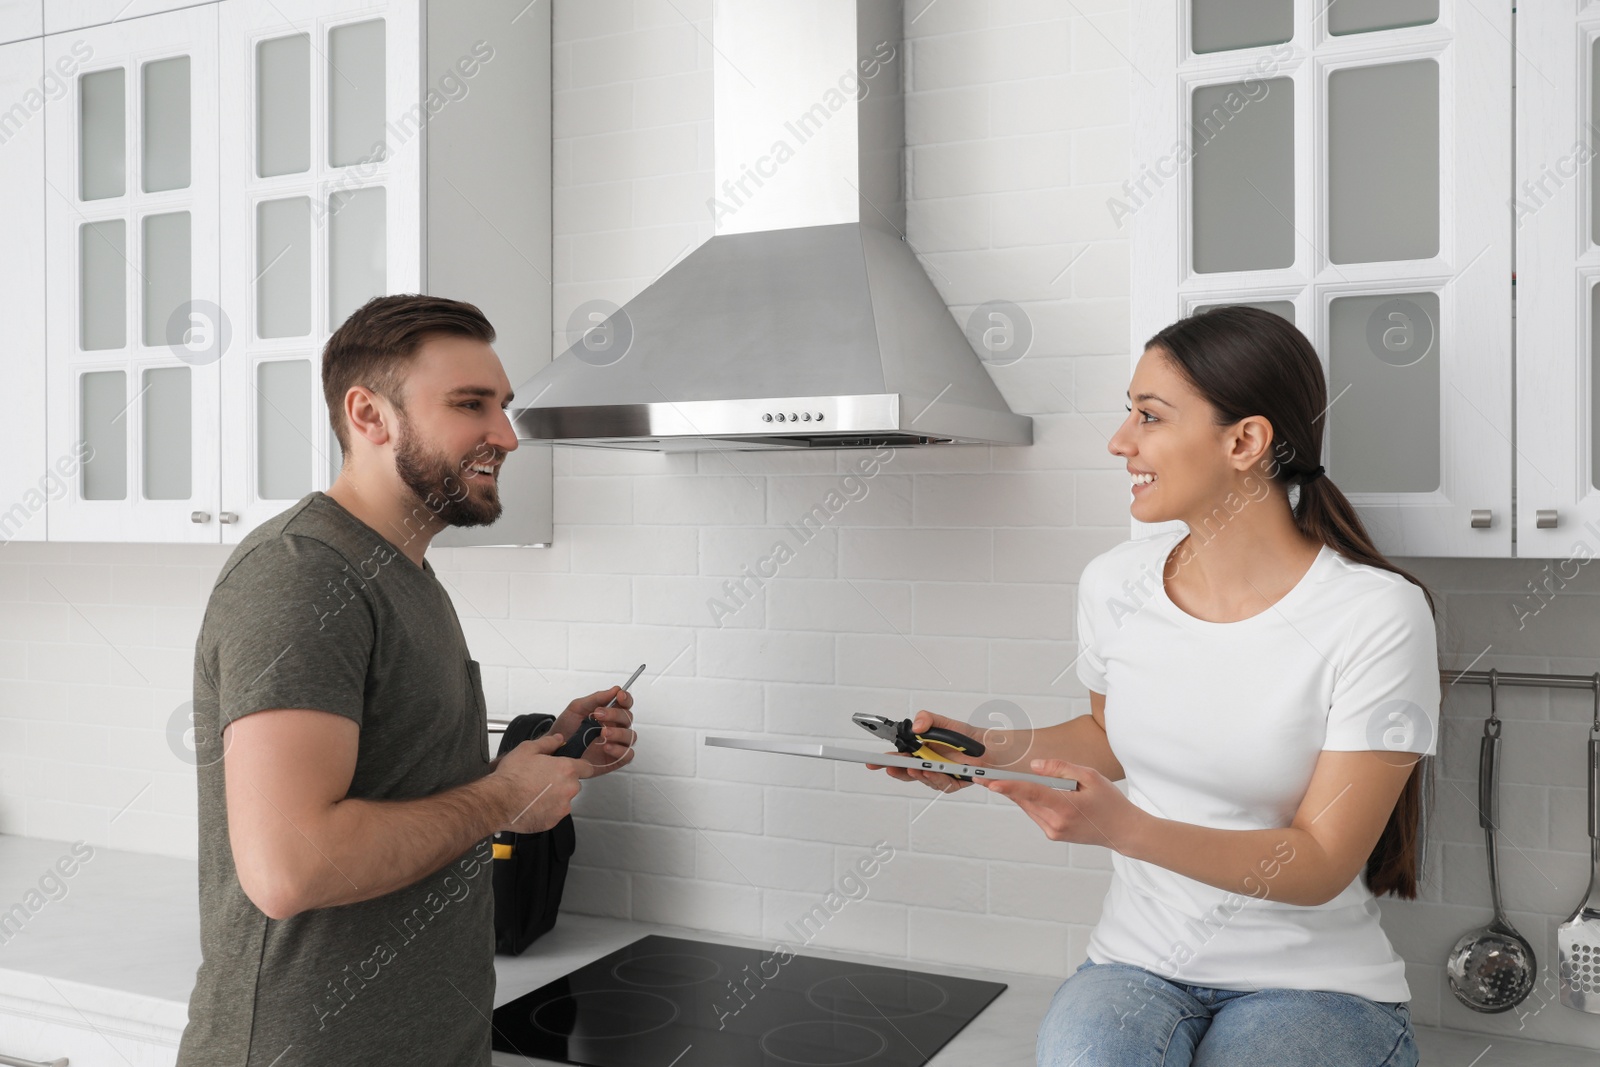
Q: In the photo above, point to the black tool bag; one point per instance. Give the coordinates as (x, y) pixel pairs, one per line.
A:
(529, 869)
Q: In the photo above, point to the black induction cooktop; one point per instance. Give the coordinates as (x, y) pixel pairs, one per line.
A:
(671, 1002)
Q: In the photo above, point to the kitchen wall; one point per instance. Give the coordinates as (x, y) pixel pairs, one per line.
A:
(945, 580)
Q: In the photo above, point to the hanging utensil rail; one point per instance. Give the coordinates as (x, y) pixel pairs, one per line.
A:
(1553, 681)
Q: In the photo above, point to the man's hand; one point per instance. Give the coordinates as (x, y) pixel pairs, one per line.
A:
(613, 746)
(538, 787)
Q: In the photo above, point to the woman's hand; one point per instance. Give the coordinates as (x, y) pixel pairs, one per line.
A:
(1096, 813)
(944, 783)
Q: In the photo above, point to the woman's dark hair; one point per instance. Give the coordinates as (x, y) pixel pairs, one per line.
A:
(1245, 361)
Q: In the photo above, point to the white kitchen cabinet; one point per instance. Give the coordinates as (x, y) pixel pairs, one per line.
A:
(194, 277)
(323, 212)
(104, 1042)
(26, 477)
(1348, 172)
(362, 155)
(61, 16)
(131, 218)
(1558, 282)
(19, 20)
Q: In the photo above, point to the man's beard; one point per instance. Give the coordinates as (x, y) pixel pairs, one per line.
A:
(441, 485)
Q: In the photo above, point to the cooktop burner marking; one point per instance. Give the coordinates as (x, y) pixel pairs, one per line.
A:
(822, 1043)
(597, 1013)
(682, 970)
(877, 996)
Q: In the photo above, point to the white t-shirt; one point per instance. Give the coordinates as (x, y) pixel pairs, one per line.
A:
(1220, 724)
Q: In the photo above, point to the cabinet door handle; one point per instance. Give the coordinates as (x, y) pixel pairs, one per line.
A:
(12, 1062)
(1545, 519)
(227, 516)
(1481, 517)
(199, 516)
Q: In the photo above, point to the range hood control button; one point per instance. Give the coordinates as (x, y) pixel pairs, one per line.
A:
(793, 417)
(807, 417)
(819, 416)
(780, 416)
(767, 417)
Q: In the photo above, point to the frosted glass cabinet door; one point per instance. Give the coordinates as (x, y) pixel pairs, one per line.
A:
(1345, 164)
(323, 212)
(134, 325)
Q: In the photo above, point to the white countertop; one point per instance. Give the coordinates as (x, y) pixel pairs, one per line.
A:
(124, 941)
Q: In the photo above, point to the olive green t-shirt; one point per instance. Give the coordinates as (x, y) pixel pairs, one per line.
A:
(315, 609)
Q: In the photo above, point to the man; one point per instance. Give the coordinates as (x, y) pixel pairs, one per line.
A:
(346, 790)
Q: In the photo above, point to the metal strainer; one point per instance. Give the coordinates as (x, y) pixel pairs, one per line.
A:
(1491, 969)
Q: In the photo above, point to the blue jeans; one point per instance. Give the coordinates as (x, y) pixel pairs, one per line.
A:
(1118, 1015)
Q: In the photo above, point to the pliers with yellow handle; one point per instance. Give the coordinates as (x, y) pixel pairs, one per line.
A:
(935, 743)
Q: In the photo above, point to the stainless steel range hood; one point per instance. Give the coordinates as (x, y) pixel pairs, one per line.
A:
(806, 320)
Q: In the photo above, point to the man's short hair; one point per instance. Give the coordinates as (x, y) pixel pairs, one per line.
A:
(375, 345)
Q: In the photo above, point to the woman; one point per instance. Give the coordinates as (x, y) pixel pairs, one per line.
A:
(1267, 683)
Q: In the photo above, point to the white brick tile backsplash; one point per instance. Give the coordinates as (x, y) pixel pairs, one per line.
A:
(1029, 891)
(1041, 668)
(596, 891)
(523, 642)
(608, 797)
(842, 605)
(765, 655)
(593, 18)
(672, 200)
(765, 862)
(1035, 162)
(1035, 554)
(671, 48)
(923, 554)
(840, 818)
(665, 750)
(1036, 385)
(698, 501)
(699, 703)
(948, 115)
(634, 549)
(642, 253)
(650, 13)
(929, 881)
(570, 597)
(691, 601)
(740, 551)
(995, 499)
(60, 583)
(984, 610)
(990, 57)
(639, 848)
(697, 904)
(1027, 945)
(593, 501)
(910, 662)
(672, 100)
(804, 505)
(595, 110)
(823, 711)
(699, 805)
(618, 649)
(804, 920)
(984, 831)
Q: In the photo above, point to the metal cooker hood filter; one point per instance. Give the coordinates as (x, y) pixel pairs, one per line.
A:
(806, 320)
